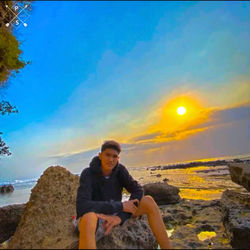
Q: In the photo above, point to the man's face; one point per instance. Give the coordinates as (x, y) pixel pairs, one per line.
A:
(109, 158)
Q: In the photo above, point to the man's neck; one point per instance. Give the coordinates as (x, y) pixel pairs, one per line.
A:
(106, 173)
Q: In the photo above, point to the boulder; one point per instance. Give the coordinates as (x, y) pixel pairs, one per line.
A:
(162, 193)
(236, 217)
(46, 222)
(240, 173)
(9, 219)
(6, 189)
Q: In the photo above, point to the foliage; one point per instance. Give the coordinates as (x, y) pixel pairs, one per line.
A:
(10, 63)
(7, 108)
(4, 150)
(9, 55)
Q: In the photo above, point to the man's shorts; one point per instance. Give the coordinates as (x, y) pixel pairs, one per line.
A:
(99, 233)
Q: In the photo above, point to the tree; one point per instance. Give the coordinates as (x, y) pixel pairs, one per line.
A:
(10, 63)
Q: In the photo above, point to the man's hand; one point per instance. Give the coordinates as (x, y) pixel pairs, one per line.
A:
(129, 206)
(110, 221)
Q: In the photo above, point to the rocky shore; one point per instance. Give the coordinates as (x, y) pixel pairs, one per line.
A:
(45, 221)
(199, 163)
(6, 189)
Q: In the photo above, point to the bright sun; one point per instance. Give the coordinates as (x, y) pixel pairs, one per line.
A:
(181, 111)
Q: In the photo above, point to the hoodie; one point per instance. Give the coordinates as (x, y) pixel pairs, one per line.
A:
(100, 195)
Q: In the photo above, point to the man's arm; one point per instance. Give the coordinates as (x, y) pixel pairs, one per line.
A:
(133, 187)
(84, 202)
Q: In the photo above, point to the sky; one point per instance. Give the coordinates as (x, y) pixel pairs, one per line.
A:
(119, 70)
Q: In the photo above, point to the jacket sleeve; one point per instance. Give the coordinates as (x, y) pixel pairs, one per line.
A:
(84, 202)
(133, 187)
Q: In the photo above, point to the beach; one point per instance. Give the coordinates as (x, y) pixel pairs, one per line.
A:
(197, 182)
(194, 202)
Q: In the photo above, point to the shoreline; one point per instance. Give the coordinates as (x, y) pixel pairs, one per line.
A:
(197, 179)
(197, 164)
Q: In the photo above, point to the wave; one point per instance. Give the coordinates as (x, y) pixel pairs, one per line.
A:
(25, 182)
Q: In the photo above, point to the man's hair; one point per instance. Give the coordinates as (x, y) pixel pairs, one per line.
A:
(111, 144)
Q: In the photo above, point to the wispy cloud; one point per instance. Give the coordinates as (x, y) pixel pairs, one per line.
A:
(199, 141)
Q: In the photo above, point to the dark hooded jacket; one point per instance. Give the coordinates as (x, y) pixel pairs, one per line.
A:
(100, 195)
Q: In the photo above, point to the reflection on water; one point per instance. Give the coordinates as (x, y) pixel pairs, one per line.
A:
(200, 194)
(170, 232)
(203, 182)
(206, 235)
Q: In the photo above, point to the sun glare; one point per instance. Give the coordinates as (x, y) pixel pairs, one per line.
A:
(181, 111)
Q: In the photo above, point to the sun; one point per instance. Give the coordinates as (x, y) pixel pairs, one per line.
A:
(181, 110)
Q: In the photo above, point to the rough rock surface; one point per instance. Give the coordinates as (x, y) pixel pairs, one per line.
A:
(162, 193)
(46, 222)
(133, 234)
(9, 219)
(6, 189)
(240, 174)
(236, 217)
(188, 218)
(47, 218)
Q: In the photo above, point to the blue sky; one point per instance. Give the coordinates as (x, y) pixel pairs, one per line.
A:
(119, 70)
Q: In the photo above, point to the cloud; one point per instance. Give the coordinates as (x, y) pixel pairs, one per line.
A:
(218, 117)
(224, 134)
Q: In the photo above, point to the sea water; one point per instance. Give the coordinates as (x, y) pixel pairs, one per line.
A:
(21, 193)
(194, 183)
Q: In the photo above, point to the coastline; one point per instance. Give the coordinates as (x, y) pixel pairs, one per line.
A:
(201, 179)
(184, 218)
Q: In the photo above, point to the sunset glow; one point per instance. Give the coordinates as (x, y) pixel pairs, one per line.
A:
(170, 83)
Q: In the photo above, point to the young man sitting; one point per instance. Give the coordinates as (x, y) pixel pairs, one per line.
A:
(99, 207)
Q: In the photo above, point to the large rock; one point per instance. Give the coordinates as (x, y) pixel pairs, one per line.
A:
(240, 174)
(236, 217)
(46, 222)
(162, 193)
(9, 219)
(47, 218)
(6, 189)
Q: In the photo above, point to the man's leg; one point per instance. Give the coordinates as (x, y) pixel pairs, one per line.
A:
(148, 206)
(87, 228)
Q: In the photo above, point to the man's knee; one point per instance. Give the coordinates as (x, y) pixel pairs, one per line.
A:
(88, 219)
(148, 203)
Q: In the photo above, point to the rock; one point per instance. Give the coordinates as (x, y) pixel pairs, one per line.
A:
(165, 180)
(158, 175)
(240, 174)
(46, 221)
(236, 217)
(187, 224)
(9, 219)
(237, 160)
(133, 234)
(6, 189)
(162, 193)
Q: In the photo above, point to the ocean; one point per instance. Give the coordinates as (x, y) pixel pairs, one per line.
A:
(200, 182)
(21, 194)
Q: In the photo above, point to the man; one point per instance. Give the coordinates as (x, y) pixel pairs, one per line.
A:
(99, 195)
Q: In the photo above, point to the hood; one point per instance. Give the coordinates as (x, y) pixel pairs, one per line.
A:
(95, 166)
